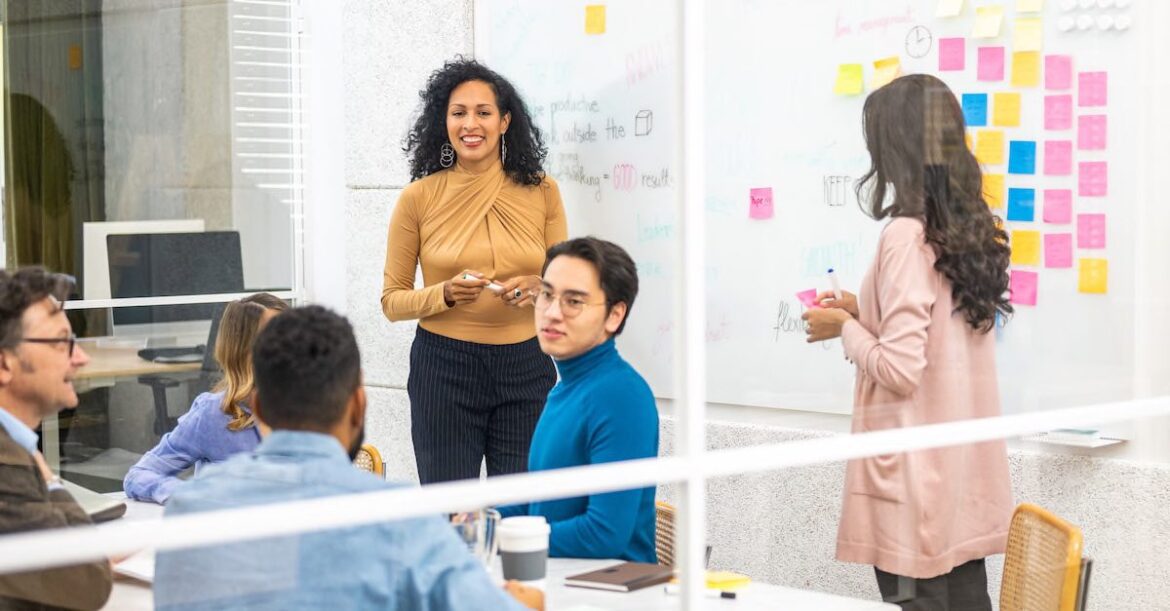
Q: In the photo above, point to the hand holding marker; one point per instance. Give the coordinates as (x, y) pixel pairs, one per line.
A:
(494, 286)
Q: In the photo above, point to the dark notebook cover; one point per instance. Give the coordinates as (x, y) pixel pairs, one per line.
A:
(624, 577)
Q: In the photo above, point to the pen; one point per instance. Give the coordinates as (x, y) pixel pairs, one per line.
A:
(708, 592)
(836, 285)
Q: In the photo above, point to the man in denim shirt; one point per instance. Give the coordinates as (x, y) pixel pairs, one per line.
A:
(308, 385)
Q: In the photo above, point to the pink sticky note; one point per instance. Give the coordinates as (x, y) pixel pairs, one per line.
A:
(1058, 111)
(1058, 206)
(952, 54)
(1090, 231)
(1058, 72)
(761, 204)
(808, 298)
(1058, 157)
(1023, 287)
(1058, 251)
(1094, 179)
(1093, 89)
(1091, 130)
(990, 63)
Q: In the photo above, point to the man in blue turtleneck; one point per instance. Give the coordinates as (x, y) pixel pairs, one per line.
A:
(600, 411)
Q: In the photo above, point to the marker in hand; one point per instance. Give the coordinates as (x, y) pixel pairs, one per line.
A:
(835, 284)
(493, 286)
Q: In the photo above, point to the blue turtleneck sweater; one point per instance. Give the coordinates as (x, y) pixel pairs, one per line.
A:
(600, 411)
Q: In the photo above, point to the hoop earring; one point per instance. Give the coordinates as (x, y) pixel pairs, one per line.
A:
(503, 150)
(446, 155)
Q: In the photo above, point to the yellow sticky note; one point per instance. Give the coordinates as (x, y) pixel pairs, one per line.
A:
(75, 57)
(595, 19)
(1029, 6)
(1026, 69)
(1094, 277)
(1025, 247)
(988, 21)
(849, 80)
(886, 70)
(948, 8)
(970, 141)
(1005, 109)
(1028, 34)
(989, 146)
(993, 190)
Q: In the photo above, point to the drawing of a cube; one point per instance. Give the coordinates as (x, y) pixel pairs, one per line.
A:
(643, 122)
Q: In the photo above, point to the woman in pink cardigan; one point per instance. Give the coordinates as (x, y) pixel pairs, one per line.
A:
(920, 336)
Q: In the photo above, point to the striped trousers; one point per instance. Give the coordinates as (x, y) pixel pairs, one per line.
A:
(472, 401)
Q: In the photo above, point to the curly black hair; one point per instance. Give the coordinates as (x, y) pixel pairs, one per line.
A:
(19, 290)
(526, 148)
(915, 134)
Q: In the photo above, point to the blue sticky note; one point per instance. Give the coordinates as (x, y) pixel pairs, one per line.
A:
(975, 109)
(1021, 205)
(1022, 157)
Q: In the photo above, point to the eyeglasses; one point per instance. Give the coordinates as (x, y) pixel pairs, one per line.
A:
(71, 341)
(571, 305)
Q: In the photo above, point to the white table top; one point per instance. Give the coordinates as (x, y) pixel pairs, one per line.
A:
(133, 595)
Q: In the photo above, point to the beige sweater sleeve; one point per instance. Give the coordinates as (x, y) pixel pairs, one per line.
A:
(400, 299)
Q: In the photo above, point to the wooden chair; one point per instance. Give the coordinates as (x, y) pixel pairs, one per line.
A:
(1043, 568)
(368, 459)
(664, 532)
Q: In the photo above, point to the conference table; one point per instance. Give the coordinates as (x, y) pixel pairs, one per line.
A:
(133, 595)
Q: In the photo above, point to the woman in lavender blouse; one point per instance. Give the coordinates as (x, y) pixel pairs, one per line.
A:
(219, 423)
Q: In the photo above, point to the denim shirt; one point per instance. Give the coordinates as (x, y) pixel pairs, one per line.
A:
(416, 563)
(201, 437)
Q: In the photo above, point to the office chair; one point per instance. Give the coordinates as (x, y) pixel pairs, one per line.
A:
(370, 460)
(209, 375)
(1043, 567)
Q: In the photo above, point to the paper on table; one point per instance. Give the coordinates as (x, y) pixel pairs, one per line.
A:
(140, 566)
(990, 63)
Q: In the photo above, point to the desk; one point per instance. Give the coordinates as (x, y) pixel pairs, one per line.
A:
(132, 595)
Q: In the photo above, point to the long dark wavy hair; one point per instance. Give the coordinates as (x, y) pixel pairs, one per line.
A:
(915, 134)
(526, 148)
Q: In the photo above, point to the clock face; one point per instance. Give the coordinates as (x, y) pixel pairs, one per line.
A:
(919, 41)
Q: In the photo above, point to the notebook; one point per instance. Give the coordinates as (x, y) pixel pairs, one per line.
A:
(624, 577)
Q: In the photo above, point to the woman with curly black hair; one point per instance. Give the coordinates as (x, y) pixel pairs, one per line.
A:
(479, 215)
(920, 335)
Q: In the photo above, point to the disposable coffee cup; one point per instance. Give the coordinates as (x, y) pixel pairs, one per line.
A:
(524, 549)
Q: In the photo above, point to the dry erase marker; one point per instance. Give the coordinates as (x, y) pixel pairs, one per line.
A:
(836, 285)
(492, 286)
(708, 592)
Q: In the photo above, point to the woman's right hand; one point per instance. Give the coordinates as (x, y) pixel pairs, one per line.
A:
(847, 302)
(459, 290)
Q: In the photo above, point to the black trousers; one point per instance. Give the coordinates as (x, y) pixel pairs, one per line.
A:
(469, 401)
(963, 589)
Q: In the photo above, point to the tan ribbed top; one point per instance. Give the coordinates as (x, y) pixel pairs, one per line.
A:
(455, 220)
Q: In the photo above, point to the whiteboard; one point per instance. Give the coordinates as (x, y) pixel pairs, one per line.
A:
(773, 121)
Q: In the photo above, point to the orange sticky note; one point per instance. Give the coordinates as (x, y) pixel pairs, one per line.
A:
(1005, 110)
(1094, 276)
(993, 190)
(595, 19)
(75, 57)
(1025, 245)
(1026, 69)
(989, 146)
(849, 80)
(886, 70)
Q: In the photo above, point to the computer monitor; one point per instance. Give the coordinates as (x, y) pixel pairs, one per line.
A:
(165, 264)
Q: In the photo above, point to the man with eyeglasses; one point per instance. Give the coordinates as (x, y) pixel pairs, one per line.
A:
(600, 411)
(38, 359)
